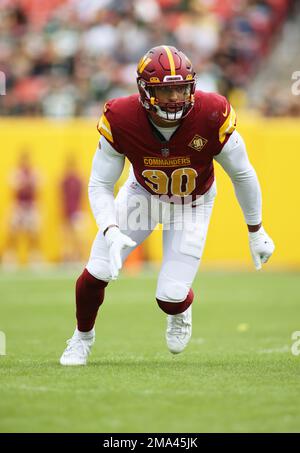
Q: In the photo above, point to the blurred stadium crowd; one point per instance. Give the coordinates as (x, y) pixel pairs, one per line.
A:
(62, 58)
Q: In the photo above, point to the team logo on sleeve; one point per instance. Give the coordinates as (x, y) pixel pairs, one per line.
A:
(198, 142)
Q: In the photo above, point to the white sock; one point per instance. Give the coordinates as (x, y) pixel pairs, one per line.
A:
(85, 335)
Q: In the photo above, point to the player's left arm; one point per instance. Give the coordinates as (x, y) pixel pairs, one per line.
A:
(234, 160)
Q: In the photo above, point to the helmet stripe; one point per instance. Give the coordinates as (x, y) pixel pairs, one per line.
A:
(144, 62)
(171, 60)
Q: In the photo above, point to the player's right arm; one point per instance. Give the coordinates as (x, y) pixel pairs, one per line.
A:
(107, 167)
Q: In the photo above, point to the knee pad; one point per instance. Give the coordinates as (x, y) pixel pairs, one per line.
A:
(99, 268)
(170, 290)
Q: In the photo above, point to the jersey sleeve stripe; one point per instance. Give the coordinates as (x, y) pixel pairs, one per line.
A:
(228, 126)
(104, 128)
(106, 134)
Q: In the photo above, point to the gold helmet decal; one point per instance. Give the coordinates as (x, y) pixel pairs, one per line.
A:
(144, 61)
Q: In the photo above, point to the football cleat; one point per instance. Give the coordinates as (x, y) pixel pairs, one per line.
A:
(77, 350)
(179, 331)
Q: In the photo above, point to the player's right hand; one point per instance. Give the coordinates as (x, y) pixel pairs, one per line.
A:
(261, 246)
(116, 242)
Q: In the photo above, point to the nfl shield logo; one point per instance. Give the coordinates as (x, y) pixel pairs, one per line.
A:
(165, 152)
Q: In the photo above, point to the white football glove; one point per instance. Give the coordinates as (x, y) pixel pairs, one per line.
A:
(261, 246)
(116, 242)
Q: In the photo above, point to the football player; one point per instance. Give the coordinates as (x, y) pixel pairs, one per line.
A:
(171, 134)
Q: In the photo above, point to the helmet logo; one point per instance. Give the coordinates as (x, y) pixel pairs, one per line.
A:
(154, 80)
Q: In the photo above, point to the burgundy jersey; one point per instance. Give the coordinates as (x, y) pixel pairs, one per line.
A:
(182, 166)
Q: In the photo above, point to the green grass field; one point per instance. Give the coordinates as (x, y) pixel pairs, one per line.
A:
(237, 375)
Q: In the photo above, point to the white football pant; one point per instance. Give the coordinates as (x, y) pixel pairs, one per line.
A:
(184, 235)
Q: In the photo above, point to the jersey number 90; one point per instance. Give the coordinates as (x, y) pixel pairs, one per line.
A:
(183, 181)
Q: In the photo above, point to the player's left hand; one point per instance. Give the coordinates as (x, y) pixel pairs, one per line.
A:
(261, 246)
(116, 242)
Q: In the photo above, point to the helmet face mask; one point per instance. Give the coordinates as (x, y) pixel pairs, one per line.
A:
(172, 110)
(162, 71)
